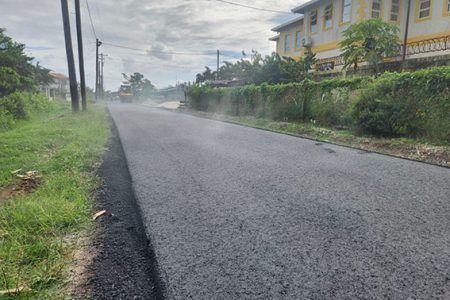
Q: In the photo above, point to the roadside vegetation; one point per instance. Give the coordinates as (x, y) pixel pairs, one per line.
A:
(48, 159)
(62, 149)
(395, 104)
(401, 113)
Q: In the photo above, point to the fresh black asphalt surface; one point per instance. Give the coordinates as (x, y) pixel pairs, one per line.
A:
(123, 265)
(240, 213)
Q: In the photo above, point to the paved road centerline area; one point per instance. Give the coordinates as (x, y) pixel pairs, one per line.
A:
(240, 213)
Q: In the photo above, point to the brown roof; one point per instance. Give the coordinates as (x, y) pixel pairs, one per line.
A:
(58, 75)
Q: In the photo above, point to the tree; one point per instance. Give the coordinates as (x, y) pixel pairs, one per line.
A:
(17, 71)
(309, 60)
(371, 41)
(140, 86)
(258, 69)
(207, 75)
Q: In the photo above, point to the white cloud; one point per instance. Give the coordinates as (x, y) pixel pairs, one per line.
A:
(165, 25)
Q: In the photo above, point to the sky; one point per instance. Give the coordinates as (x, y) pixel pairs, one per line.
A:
(154, 27)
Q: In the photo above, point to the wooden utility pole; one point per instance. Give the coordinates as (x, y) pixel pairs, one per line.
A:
(102, 65)
(405, 41)
(218, 62)
(97, 69)
(81, 55)
(70, 60)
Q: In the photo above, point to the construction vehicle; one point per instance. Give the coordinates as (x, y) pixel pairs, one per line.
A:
(125, 93)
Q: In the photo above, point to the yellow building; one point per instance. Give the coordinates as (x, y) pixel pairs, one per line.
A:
(322, 23)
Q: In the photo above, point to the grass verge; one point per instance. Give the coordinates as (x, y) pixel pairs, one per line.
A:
(414, 149)
(64, 149)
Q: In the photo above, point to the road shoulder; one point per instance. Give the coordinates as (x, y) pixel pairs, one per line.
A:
(124, 266)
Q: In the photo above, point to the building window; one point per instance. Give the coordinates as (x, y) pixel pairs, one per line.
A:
(328, 17)
(298, 40)
(424, 9)
(446, 7)
(313, 22)
(287, 43)
(346, 10)
(395, 11)
(376, 9)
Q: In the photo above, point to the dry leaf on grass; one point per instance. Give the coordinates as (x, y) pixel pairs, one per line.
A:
(20, 289)
(98, 215)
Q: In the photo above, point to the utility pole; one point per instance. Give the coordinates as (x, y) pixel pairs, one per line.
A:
(405, 41)
(70, 59)
(81, 55)
(218, 59)
(97, 69)
(102, 64)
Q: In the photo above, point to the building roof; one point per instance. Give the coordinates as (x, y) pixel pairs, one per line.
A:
(301, 9)
(275, 38)
(280, 27)
(58, 75)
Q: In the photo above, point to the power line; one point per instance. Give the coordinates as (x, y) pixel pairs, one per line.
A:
(200, 53)
(192, 53)
(90, 18)
(255, 8)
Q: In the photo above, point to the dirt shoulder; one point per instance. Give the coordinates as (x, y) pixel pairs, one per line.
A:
(399, 147)
(123, 266)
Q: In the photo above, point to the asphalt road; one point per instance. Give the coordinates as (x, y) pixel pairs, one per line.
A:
(239, 213)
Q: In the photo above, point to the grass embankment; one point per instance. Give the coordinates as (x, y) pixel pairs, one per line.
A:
(415, 149)
(64, 149)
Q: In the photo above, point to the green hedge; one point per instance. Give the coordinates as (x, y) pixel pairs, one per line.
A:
(399, 104)
(327, 102)
(409, 104)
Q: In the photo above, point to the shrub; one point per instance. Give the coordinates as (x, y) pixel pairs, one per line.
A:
(20, 105)
(6, 120)
(327, 101)
(14, 104)
(38, 103)
(9, 81)
(410, 104)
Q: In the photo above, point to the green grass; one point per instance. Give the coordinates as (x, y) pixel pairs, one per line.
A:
(64, 148)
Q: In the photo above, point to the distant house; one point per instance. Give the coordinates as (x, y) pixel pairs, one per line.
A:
(59, 88)
(322, 23)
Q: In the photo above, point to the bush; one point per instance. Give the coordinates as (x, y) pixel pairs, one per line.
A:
(20, 105)
(9, 81)
(408, 104)
(327, 101)
(14, 104)
(6, 120)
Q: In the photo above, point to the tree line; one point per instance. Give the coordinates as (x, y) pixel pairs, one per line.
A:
(368, 41)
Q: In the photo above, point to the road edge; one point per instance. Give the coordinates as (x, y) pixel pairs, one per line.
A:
(120, 237)
(304, 137)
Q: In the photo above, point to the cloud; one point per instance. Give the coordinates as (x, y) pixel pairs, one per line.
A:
(153, 26)
(160, 51)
